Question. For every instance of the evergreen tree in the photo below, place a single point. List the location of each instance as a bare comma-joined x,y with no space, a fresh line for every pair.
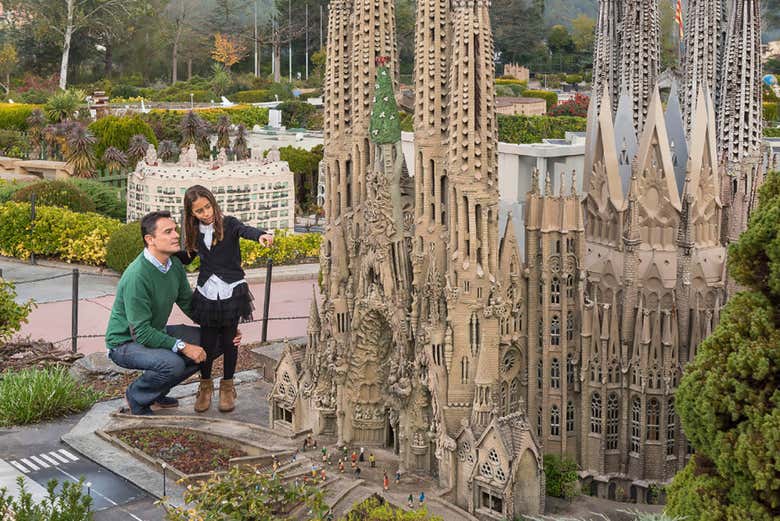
728,400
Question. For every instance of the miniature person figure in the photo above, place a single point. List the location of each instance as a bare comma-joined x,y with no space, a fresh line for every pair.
372,459
307,442
410,501
222,298
362,457
354,456
357,471
345,450
313,471
323,476
397,476
341,465
385,482
422,498
324,458
315,444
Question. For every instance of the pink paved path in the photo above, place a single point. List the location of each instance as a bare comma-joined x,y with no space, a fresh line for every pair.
52,321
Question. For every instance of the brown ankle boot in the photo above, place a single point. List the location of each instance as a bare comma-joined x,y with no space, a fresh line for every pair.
227,395
203,399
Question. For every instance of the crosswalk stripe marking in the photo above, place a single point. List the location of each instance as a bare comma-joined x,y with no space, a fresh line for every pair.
58,456
20,467
68,455
30,464
49,459
40,462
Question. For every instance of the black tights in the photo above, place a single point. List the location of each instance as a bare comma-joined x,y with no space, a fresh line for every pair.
219,341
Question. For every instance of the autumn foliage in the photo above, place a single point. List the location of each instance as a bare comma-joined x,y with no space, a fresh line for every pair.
228,50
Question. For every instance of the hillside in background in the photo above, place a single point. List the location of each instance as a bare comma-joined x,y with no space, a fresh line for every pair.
564,11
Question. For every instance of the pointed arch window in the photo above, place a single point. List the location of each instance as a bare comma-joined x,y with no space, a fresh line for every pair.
613,419
671,427
540,332
636,422
555,291
653,415
539,421
555,330
570,326
539,374
570,286
518,321
464,370
541,291
570,416
555,374
503,397
474,333
555,421
514,395
595,413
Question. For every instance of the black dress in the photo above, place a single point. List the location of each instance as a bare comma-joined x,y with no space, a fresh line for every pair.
224,261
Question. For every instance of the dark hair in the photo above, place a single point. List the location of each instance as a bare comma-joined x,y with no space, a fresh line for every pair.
149,223
192,194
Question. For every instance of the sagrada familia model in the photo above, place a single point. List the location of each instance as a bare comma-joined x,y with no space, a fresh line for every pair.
471,339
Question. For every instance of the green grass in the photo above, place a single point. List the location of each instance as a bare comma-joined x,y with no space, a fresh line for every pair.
35,395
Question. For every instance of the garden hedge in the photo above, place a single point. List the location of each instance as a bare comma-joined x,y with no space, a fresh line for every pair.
771,111
14,116
252,96
116,131
57,193
61,233
533,129
166,124
550,97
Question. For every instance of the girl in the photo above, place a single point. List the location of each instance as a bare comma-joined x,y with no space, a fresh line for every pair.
222,298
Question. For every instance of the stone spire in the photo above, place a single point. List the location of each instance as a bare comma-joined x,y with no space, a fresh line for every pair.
640,55
473,128
338,73
702,51
740,127
740,101
431,69
606,52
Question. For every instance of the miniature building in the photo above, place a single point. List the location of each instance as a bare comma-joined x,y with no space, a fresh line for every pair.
260,194
517,72
522,106
472,335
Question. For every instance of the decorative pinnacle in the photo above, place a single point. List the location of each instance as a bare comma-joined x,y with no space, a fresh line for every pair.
548,184
574,182
535,181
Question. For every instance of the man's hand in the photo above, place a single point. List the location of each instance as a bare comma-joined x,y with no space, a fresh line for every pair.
237,338
194,353
266,240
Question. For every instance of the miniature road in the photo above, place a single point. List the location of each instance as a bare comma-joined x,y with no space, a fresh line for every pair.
51,318
36,453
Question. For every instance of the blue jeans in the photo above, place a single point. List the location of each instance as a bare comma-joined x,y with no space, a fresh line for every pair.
162,368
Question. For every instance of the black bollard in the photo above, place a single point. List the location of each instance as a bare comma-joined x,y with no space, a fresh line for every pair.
267,301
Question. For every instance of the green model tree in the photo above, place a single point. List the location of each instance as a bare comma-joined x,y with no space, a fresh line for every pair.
729,397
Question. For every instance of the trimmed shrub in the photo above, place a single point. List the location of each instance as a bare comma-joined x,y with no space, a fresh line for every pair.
34,395
560,476
252,96
58,232
300,114
116,131
577,106
510,81
772,132
240,115
125,91
12,315
550,97
109,200
124,246
165,124
533,129
504,91
56,193
14,115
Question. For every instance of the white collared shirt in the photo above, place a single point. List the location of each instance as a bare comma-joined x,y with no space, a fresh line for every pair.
156,263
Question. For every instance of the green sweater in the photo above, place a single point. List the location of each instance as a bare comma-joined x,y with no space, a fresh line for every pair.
144,300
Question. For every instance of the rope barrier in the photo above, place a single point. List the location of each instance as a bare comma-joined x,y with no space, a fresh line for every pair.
30,281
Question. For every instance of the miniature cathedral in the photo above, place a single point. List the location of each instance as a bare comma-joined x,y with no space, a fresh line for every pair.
470,337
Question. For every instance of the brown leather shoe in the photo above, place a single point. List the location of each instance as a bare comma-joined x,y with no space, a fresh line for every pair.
227,395
203,399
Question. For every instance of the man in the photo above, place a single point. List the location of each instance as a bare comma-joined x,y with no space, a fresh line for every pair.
137,336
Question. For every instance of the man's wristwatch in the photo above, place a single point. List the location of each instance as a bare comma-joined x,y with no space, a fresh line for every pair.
178,346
